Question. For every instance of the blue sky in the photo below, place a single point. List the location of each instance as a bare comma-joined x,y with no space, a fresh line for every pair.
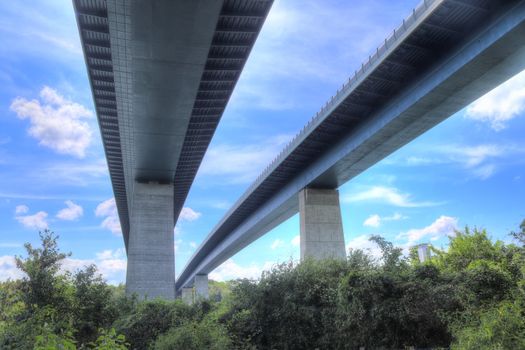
469,170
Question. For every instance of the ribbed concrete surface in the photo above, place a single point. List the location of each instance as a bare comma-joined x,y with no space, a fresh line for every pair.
321,224
151,254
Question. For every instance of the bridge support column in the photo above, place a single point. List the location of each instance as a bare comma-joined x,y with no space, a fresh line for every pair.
151,255
321,224
201,287
187,295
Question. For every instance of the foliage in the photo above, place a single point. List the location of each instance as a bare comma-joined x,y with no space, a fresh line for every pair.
195,336
497,328
519,235
470,296
93,308
109,340
51,341
42,285
150,319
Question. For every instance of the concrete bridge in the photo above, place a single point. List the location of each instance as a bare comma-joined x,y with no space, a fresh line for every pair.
444,56
162,71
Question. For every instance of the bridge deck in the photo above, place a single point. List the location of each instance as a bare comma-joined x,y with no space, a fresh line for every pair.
445,54
161,74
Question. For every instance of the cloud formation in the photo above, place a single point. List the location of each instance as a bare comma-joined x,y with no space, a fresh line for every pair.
188,214
21,209
71,212
56,122
481,160
363,243
375,220
8,269
386,195
241,163
500,105
36,221
442,227
229,270
277,244
108,210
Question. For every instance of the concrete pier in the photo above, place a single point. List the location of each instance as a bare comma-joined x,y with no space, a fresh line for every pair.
187,295
201,287
321,225
151,255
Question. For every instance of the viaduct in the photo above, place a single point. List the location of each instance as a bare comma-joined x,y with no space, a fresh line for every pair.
161,74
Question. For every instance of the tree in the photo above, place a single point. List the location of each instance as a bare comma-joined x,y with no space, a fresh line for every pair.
520,235
501,327
42,286
94,308
392,257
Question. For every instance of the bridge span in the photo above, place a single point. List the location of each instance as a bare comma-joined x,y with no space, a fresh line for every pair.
161,74
444,56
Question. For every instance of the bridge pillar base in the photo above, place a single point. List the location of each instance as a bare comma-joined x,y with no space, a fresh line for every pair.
201,287
187,295
151,255
321,224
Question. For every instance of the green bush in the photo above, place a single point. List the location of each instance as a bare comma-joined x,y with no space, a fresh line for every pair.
471,296
150,319
109,340
195,336
498,328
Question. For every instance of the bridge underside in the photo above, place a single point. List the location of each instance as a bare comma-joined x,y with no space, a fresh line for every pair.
444,57
161,73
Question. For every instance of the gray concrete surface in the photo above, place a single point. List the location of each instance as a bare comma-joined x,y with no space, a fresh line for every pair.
490,55
187,295
321,224
201,287
151,254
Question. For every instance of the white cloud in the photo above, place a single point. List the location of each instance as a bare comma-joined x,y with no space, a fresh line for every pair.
310,52
10,245
8,269
500,105
21,209
481,161
475,155
296,241
485,171
230,270
176,245
277,244
188,214
111,264
241,163
441,227
373,221
56,122
72,212
376,220
193,245
36,221
108,210
74,172
363,243
220,205
386,195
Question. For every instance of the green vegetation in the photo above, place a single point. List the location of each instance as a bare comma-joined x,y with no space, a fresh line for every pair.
471,296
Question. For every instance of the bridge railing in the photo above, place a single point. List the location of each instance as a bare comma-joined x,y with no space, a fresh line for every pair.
424,9
408,24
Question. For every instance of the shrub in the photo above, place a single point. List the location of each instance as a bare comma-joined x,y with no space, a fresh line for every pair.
195,336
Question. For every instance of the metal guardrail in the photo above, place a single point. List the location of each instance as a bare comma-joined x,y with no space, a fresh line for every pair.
410,23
